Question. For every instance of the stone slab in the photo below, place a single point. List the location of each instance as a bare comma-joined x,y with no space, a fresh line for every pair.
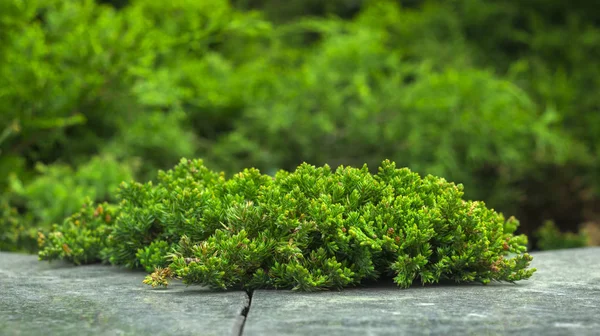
41,298
562,298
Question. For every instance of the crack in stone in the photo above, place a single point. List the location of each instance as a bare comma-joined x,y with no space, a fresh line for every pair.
245,312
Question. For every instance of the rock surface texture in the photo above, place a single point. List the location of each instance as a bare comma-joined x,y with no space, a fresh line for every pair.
37,298
562,298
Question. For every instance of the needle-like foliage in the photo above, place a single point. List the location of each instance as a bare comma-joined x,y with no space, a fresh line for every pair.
313,228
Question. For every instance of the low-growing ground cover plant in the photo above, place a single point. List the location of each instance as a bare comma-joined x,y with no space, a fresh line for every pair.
58,191
312,228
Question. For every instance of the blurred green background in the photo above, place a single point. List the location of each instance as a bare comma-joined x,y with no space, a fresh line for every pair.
501,96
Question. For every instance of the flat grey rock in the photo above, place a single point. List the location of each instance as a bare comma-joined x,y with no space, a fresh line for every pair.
561,298
38,298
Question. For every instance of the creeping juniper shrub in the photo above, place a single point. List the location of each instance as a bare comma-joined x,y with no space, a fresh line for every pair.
81,237
313,228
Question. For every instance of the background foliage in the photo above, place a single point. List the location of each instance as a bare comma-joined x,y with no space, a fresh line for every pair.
499,96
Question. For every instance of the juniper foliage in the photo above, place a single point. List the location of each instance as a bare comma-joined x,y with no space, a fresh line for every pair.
310,229
81,237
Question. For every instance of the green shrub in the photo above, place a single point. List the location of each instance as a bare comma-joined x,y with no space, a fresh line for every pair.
548,48
60,190
57,193
80,79
354,99
64,69
14,235
551,238
154,255
495,96
309,229
81,237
